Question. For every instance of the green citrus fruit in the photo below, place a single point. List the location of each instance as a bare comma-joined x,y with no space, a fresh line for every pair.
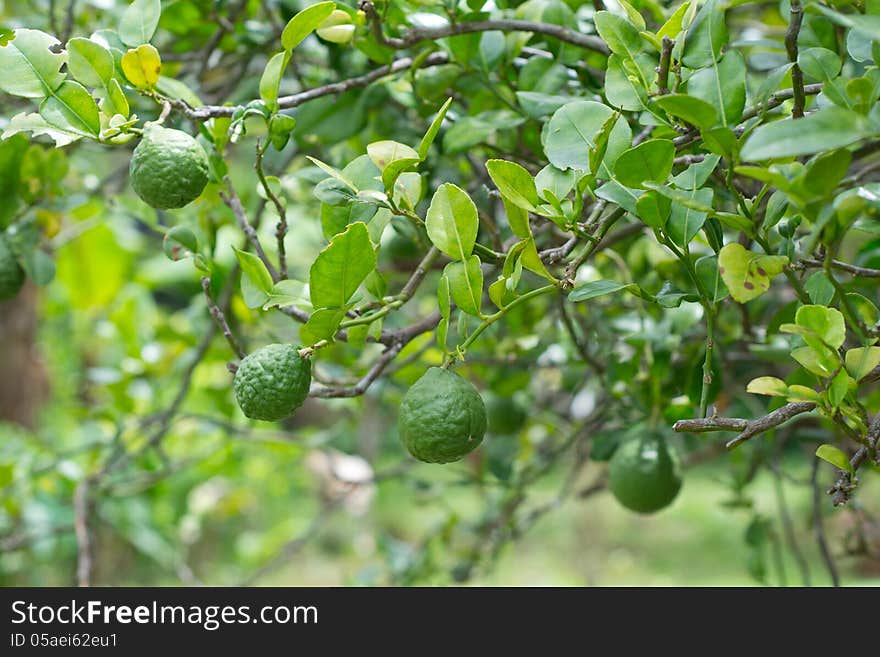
11,273
168,169
644,474
506,415
272,382
442,417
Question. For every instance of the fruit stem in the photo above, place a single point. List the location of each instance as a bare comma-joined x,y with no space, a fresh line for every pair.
306,352
491,319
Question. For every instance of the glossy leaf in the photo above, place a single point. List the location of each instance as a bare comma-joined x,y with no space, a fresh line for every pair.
340,268
139,22
452,221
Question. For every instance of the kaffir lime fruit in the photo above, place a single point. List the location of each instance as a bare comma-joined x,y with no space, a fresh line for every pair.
442,417
11,273
506,415
168,169
272,382
644,474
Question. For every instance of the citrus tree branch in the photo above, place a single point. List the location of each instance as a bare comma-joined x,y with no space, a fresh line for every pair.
747,428
796,17
417,35
232,200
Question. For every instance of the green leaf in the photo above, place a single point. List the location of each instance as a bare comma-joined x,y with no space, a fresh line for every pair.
826,323
280,128
89,62
139,22
689,108
821,363
180,243
452,221
684,221
747,274
514,182
819,63
30,68
864,309
861,360
336,28
622,37
827,129
840,386
571,133
594,289
287,293
723,86
37,125
651,160
653,208
819,288
767,385
798,393
710,278
619,195
518,218
304,23
270,80
466,284
383,153
256,282
706,36
72,108
340,268
532,261
433,129
322,325
835,457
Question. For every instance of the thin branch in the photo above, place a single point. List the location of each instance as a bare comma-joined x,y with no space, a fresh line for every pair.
417,35
779,97
206,112
364,383
747,428
842,489
281,229
220,319
819,527
796,17
862,272
82,511
663,69
232,200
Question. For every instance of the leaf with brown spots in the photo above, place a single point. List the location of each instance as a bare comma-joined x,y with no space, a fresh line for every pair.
747,274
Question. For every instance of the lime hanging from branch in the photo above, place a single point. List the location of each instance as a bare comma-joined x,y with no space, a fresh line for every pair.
271,383
644,474
169,169
442,417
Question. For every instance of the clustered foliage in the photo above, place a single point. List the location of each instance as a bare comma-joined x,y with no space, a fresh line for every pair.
625,222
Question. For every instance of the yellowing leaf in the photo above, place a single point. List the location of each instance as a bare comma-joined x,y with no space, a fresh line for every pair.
747,274
142,66
768,385
862,360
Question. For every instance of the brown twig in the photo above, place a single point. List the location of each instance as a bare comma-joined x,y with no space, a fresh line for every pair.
862,272
666,47
220,319
417,35
796,17
819,527
232,200
747,428
281,228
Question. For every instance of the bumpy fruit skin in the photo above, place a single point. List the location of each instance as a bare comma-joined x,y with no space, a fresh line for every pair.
442,417
169,169
272,382
644,474
11,273
506,416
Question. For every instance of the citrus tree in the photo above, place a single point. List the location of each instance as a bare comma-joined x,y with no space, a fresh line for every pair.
543,241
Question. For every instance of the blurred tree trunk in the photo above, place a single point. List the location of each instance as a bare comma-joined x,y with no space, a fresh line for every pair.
23,384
